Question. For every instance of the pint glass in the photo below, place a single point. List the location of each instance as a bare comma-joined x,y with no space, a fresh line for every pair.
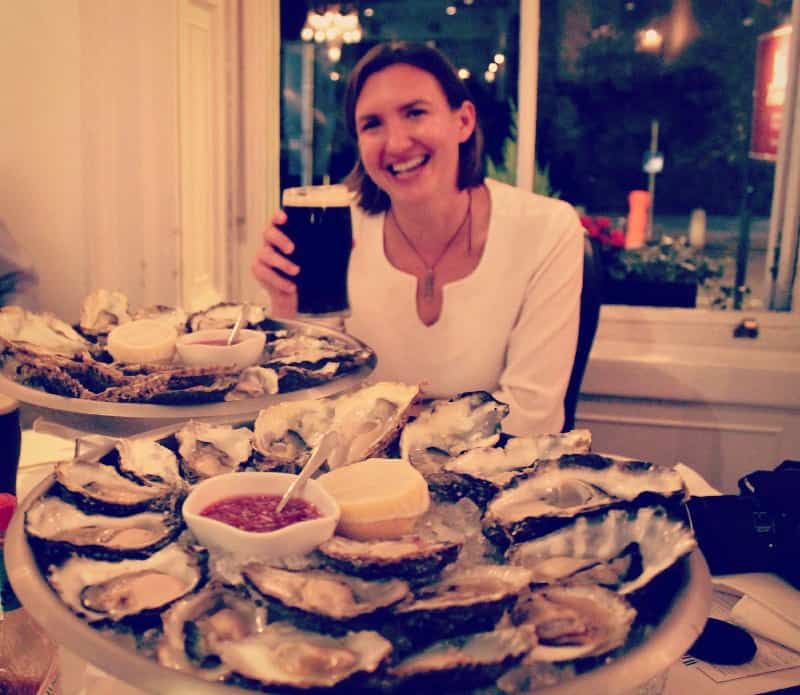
10,437
319,225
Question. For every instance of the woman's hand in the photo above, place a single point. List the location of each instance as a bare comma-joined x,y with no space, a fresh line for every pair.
269,260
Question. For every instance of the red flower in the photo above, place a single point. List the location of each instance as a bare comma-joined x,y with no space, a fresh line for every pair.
602,229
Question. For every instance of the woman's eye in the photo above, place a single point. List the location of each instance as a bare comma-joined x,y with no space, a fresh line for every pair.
415,113
368,125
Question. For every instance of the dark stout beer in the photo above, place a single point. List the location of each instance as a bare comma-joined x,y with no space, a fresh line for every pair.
319,225
10,437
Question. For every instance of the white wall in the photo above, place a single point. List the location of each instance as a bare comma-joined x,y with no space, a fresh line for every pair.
41,194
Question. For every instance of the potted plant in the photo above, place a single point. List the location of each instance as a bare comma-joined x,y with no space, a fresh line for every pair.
666,272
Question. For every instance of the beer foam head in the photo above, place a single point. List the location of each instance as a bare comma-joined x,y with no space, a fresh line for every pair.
317,196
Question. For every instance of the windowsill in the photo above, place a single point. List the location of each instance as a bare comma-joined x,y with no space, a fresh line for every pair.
691,355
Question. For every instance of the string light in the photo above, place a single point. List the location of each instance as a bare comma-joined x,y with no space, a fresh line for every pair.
451,10
463,73
499,58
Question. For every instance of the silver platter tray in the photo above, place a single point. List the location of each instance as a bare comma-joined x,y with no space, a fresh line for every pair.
649,660
124,419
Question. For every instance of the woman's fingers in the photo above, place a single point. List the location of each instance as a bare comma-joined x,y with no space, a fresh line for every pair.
275,237
264,270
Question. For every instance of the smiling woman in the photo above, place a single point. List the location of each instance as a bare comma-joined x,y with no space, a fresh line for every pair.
460,283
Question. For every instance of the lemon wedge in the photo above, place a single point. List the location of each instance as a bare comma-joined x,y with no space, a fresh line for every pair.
379,498
142,341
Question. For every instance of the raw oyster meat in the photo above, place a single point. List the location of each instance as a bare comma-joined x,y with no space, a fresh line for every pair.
224,315
99,488
573,622
147,462
463,601
101,591
621,550
467,662
284,657
411,557
454,426
480,473
102,310
62,528
254,382
196,626
42,334
207,450
552,493
322,600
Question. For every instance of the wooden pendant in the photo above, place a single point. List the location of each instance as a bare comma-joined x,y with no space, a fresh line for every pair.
427,285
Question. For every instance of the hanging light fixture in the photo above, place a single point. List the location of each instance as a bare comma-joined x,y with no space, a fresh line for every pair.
333,27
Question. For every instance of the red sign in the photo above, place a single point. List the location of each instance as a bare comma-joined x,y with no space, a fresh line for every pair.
772,77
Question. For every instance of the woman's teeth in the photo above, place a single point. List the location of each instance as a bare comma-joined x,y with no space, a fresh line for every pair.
410,165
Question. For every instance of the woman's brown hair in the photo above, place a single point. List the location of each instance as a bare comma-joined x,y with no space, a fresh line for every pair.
470,159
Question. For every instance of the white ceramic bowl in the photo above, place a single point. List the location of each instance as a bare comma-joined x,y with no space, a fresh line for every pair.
296,539
195,349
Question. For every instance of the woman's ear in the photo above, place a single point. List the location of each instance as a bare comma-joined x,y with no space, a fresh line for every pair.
467,119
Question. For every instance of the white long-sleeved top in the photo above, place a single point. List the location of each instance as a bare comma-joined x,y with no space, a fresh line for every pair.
510,327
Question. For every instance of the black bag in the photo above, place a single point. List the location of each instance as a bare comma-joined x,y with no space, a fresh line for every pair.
755,531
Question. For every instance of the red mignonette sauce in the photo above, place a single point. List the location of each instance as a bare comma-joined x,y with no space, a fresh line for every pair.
257,512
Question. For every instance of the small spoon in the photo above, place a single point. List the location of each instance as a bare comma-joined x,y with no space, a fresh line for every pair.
328,442
237,326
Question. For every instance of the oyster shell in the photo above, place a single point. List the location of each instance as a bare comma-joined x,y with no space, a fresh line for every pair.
208,450
61,528
621,550
40,333
573,622
366,421
147,462
196,626
480,473
286,432
454,426
254,382
466,663
102,591
284,657
175,317
102,310
224,315
464,601
552,493
322,600
97,488
411,557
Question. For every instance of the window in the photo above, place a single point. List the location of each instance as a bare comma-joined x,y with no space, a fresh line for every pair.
624,83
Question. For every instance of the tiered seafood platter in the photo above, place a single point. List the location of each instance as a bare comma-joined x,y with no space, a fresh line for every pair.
538,566
69,374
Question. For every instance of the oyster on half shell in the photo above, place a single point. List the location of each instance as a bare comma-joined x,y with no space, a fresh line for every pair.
287,658
366,421
552,493
102,591
147,462
322,600
411,557
102,310
40,333
207,450
573,622
224,315
195,627
454,426
98,488
466,662
61,528
621,550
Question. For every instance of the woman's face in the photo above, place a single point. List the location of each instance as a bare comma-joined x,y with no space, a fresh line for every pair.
408,135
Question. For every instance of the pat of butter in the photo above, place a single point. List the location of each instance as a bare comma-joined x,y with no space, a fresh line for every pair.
142,341
379,498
